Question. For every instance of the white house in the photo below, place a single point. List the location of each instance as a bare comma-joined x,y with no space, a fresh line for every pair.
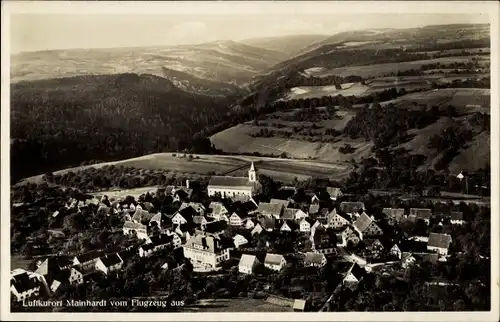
239,240
353,276
336,221
88,260
109,263
236,220
289,225
395,251
249,224
257,229
247,264
274,261
306,224
439,243
205,250
217,209
24,285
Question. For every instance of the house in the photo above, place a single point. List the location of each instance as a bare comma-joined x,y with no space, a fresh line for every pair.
185,231
351,235
239,241
205,250
317,225
284,203
336,221
306,224
249,224
71,276
334,193
237,219
270,210
274,261
407,259
247,264
352,208
140,230
457,218
315,260
198,207
24,285
109,263
201,220
323,243
288,214
217,209
225,186
163,240
373,248
141,216
420,214
289,225
439,243
182,194
395,251
394,215
268,224
299,305
184,215
88,260
257,229
146,250
53,264
313,209
353,276
126,254
215,228
366,226
162,221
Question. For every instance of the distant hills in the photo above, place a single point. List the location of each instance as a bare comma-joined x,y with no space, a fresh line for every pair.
290,45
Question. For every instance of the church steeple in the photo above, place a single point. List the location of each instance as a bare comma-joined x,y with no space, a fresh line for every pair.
252,174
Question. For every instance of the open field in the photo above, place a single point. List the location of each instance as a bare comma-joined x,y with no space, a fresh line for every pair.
235,305
378,70
122,193
280,169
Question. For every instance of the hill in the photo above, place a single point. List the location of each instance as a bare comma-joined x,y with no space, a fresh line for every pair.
290,45
60,122
223,61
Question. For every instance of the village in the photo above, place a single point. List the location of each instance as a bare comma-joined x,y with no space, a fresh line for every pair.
242,230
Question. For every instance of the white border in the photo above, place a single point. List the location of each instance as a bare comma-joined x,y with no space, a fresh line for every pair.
490,8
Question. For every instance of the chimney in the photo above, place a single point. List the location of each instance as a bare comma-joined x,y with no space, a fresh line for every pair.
187,183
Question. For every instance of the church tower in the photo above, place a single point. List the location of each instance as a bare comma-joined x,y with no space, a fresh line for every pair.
252,174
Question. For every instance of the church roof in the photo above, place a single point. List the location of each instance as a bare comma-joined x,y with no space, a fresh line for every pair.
219,181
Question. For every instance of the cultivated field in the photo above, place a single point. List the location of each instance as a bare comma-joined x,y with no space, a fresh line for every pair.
122,193
204,165
378,70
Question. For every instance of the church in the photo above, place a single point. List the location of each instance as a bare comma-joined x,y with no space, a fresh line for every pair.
228,187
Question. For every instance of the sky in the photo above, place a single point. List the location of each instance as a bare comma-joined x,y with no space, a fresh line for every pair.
48,31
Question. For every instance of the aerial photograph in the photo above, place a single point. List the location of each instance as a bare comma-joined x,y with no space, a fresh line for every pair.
250,162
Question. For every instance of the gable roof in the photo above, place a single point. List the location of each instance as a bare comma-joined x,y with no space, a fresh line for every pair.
188,213
309,220
351,207
314,209
406,255
161,239
334,192
125,254
223,181
111,259
289,213
439,240
142,215
421,213
314,258
216,226
274,259
273,209
134,225
183,192
285,203
23,282
247,260
370,242
53,264
208,243
86,257
162,219
456,215
357,271
148,246
395,213
217,208
291,224
268,223
363,222
431,258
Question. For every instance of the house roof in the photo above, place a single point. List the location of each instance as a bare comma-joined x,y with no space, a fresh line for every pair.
197,220
357,271
432,258
314,258
142,215
82,258
162,219
268,223
439,240
216,226
421,213
370,242
395,213
285,203
289,213
217,208
314,209
309,220
241,237
406,255
53,264
351,207
223,181
292,224
161,239
148,246
111,259
456,215
134,226
125,254
270,209
363,222
333,192
209,243
299,304
183,192
188,213
247,260
274,259
23,282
